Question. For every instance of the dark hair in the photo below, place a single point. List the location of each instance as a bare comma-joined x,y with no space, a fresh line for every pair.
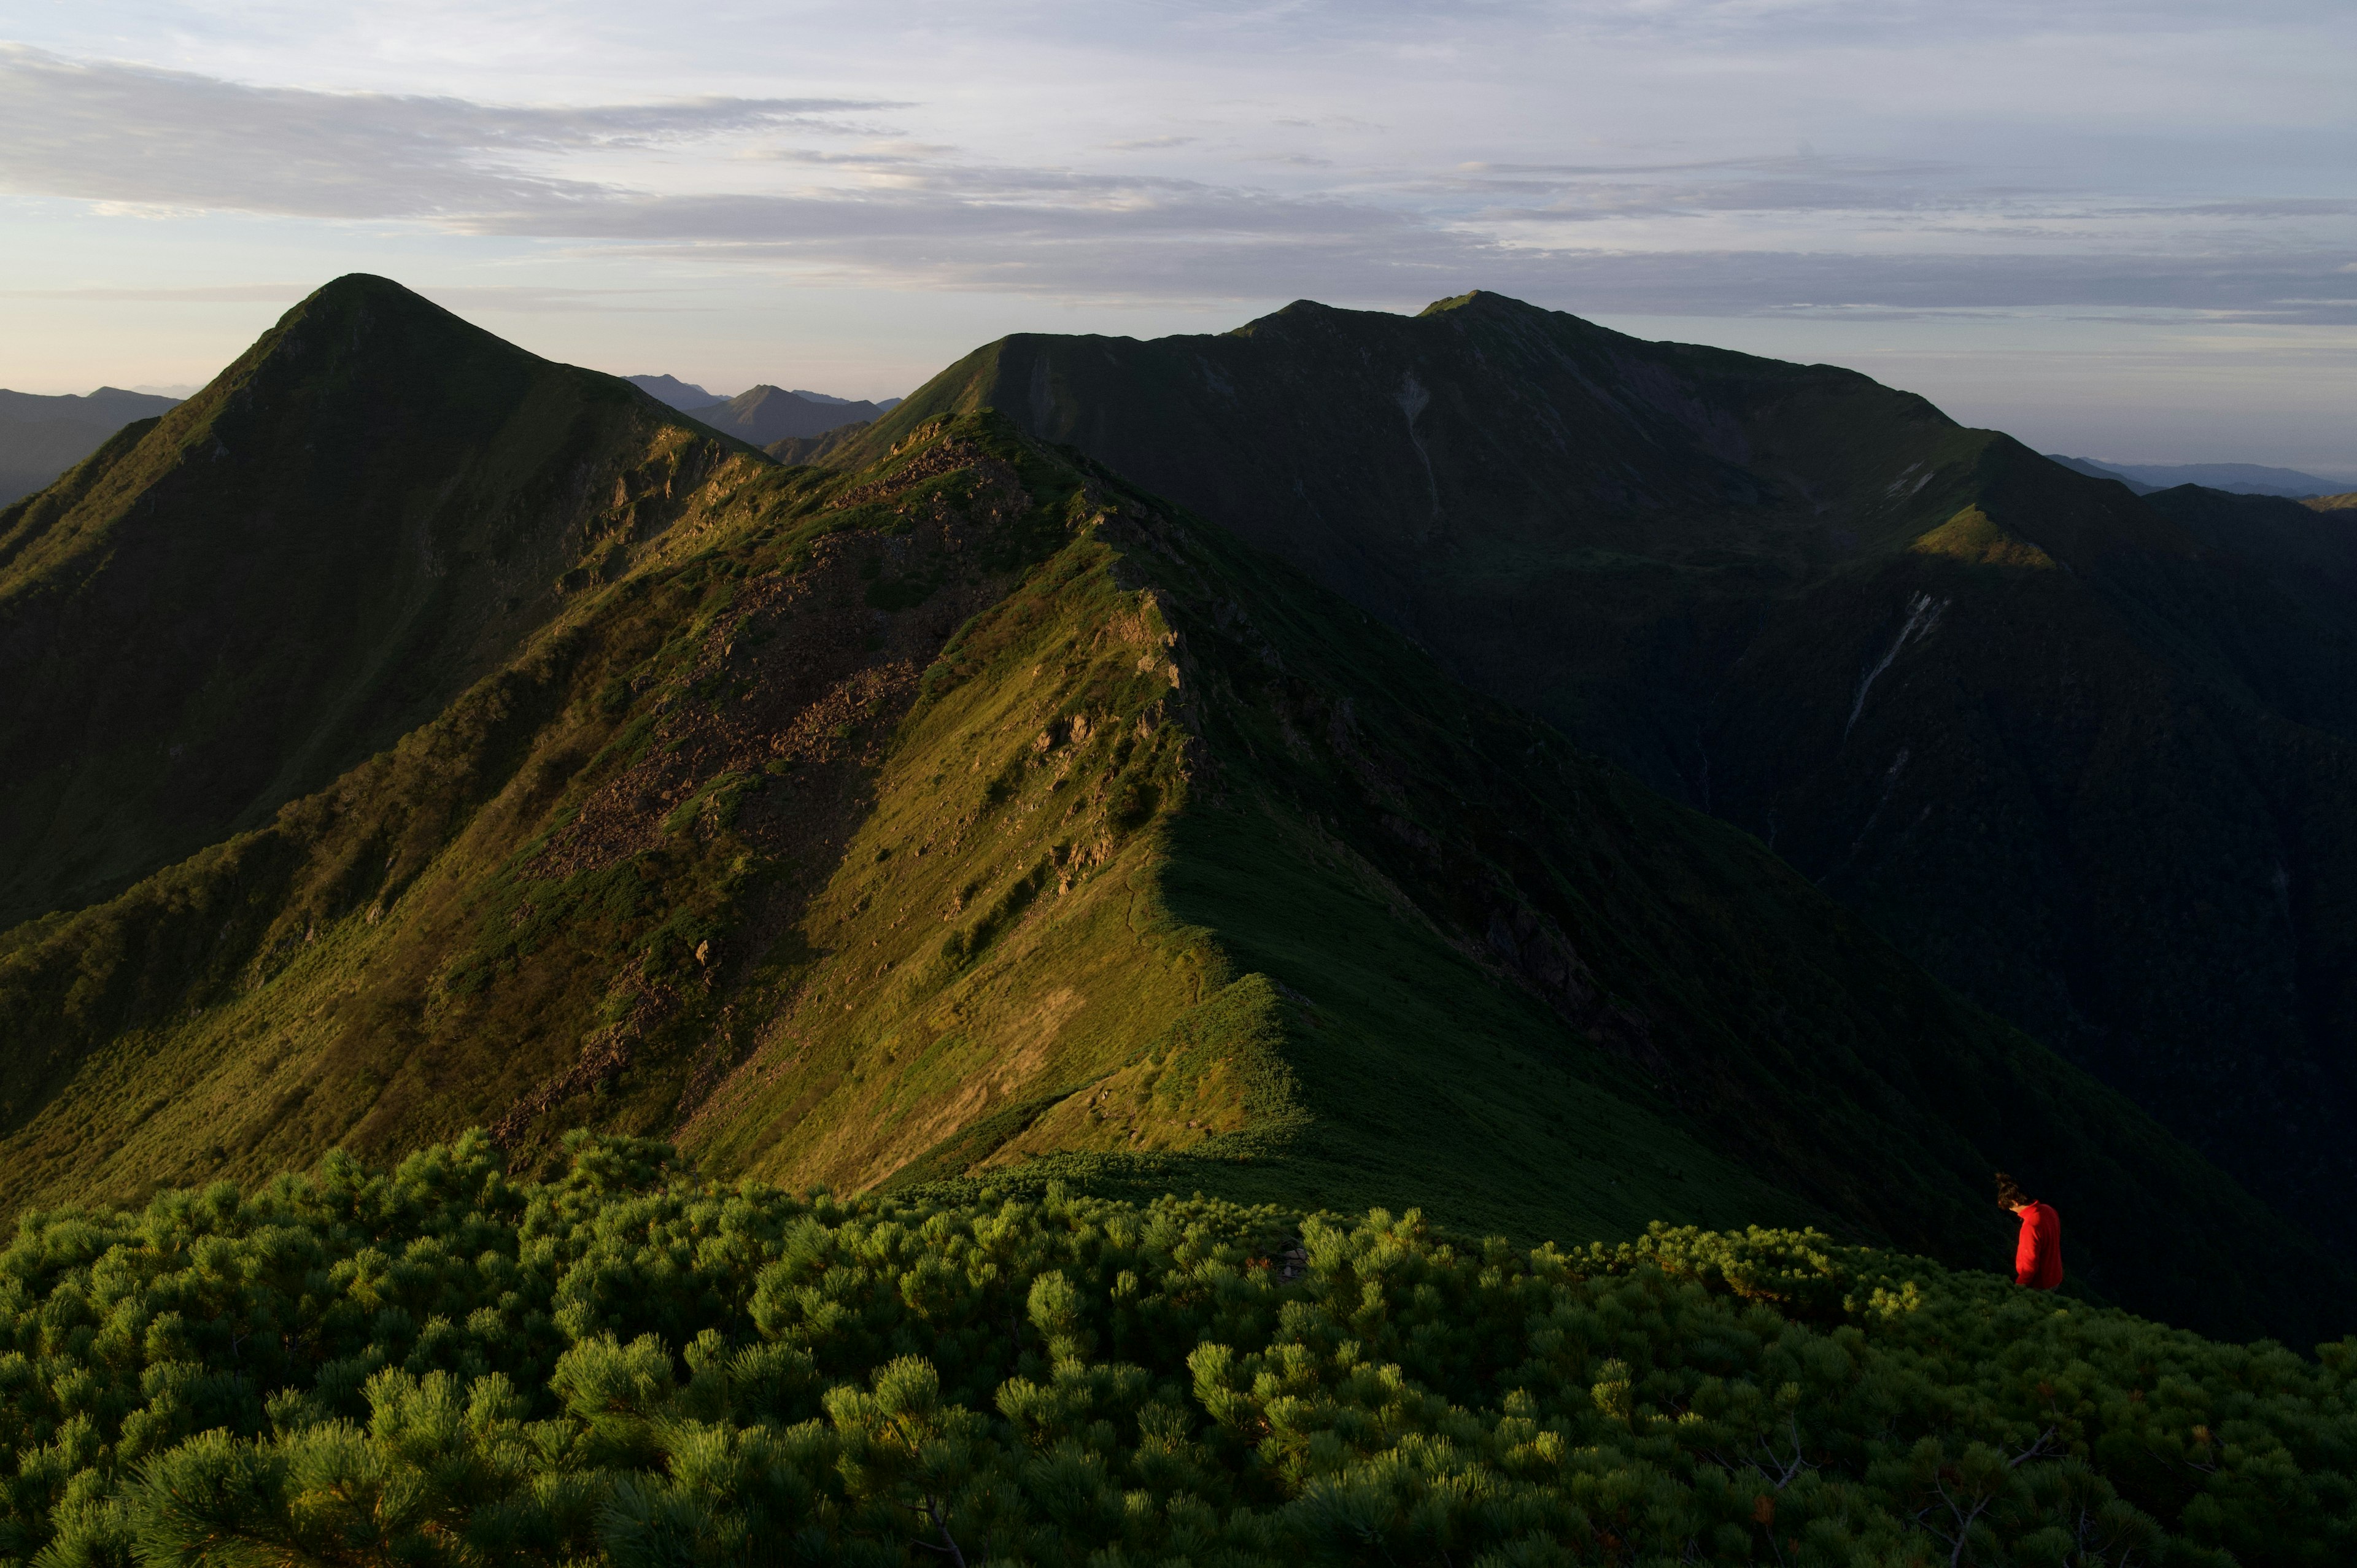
2009,1192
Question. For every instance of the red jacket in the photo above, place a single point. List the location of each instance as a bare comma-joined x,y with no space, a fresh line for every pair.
2037,1261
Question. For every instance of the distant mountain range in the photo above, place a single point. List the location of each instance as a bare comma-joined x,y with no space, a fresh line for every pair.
764,415
41,437
762,408
678,393
2235,478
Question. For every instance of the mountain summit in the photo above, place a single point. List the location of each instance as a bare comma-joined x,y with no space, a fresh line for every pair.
224,609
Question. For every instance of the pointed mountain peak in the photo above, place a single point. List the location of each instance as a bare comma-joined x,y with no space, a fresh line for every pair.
375,504
378,313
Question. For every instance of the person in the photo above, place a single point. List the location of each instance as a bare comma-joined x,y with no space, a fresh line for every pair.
2038,1258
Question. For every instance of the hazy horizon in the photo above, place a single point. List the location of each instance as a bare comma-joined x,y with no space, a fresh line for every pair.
2129,232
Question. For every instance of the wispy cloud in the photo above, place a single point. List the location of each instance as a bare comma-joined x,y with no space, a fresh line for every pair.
822,188
112,132
205,294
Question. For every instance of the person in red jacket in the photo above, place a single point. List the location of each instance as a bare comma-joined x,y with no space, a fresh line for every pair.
2038,1258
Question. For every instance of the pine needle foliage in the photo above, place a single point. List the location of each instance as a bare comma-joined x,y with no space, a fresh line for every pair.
440,1365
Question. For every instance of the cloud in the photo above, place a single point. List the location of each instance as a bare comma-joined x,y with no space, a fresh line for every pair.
2283,290
212,294
110,132
493,299
840,199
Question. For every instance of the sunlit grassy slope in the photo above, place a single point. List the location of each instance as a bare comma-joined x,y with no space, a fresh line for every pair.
970,815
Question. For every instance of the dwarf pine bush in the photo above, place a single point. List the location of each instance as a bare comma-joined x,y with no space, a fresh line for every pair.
438,1365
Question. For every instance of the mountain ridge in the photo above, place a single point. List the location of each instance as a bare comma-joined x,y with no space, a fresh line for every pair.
972,813
1955,683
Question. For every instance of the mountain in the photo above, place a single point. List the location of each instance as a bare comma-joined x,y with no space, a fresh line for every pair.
674,392
2236,478
41,437
809,396
796,449
2094,767
2231,477
2093,469
223,609
687,397
2346,501
765,414
968,814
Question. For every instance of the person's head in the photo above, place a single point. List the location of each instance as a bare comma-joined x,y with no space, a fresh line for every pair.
2009,1194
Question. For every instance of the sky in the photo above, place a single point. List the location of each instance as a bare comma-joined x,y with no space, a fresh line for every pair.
2123,228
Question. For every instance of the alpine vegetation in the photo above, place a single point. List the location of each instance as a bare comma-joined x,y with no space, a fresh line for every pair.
439,1365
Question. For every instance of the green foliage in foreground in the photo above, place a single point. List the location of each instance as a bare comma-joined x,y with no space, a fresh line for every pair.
442,1366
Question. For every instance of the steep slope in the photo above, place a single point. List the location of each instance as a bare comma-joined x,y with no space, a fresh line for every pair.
763,414
1969,693
41,437
970,813
223,609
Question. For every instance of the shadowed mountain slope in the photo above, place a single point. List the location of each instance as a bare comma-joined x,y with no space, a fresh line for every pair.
970,813
2088,762
224,610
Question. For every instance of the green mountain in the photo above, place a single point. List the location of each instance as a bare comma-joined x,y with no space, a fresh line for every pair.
223,609
970,815
41,437
2088,761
